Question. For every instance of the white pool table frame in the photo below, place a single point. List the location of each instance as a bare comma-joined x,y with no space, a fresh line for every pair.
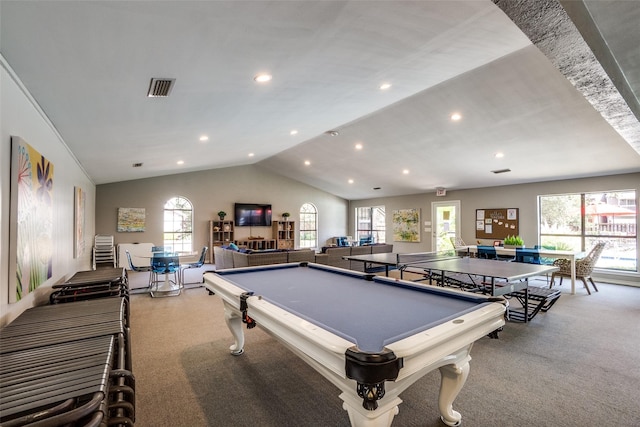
446,347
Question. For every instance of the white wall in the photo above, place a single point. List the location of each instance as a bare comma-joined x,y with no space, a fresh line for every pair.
21,116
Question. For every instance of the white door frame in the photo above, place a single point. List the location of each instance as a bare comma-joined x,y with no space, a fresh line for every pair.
434,220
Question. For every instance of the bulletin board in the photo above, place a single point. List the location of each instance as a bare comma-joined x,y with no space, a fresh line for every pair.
497,224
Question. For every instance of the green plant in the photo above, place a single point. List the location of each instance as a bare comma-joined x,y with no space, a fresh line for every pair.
514,241
222,214
286,215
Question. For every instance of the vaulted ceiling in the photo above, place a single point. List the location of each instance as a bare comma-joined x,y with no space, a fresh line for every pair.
511,71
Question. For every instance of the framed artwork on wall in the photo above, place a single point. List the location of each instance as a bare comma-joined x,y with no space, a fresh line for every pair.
131,220
31,221
406,225
79,199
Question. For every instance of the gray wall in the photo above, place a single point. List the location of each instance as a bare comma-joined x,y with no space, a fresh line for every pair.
212,191
523,196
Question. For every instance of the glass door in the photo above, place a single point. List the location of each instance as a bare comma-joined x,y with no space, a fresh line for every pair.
446,224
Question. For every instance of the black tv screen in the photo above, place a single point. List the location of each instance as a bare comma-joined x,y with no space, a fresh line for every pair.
252,215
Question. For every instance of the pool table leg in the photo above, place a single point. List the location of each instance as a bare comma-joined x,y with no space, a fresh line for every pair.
453,378
360,417
233,319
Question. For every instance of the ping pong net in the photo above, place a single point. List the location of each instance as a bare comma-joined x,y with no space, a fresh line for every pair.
418,264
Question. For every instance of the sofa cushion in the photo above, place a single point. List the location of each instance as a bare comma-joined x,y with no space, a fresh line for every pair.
359,250
380,248
335,257
267,258
218,257
302,255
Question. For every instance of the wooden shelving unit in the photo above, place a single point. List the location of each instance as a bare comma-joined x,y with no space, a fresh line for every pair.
257,244
284,234
220,233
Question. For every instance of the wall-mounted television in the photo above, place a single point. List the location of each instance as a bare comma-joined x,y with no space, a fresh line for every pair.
252,215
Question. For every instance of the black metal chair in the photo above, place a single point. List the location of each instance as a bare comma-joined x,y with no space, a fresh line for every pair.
196,264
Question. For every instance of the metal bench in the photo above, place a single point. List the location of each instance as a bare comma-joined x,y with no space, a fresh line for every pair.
68,364
540,299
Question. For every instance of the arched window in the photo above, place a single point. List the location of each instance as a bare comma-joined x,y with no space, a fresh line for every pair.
178,225
308,226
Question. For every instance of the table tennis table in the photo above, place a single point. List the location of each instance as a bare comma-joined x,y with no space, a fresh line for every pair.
488,276
396,260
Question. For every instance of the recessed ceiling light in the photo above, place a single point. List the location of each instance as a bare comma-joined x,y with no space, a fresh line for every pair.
405,171
332,133
350,181
456,116
180,162
307,162
263,78
385,86
358,146
293,132
251,154
204,138
499,155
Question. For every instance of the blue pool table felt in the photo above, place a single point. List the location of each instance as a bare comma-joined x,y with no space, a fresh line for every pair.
370,313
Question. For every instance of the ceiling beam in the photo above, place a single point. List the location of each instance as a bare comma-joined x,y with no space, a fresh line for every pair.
551,29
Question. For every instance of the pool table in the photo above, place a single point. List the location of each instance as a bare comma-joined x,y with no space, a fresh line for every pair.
371,336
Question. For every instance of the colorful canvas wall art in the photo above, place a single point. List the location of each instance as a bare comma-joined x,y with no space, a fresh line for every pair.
32,217
79,199
406,225
131,219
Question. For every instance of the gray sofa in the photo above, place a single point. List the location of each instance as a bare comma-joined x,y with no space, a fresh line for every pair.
227,258
334,256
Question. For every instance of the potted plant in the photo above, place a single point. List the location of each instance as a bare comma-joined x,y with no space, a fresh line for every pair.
286,216
221,215
513,242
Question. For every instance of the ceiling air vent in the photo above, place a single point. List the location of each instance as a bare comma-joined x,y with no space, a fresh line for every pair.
160,88
137,165
502,171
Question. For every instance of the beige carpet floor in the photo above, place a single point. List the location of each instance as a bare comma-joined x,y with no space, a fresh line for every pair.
576,365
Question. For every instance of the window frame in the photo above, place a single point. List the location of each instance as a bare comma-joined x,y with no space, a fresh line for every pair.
186,245
375,216
585,225
303,232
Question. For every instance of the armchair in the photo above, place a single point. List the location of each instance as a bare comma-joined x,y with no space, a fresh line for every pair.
459,246
584,267
342,241
366,240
